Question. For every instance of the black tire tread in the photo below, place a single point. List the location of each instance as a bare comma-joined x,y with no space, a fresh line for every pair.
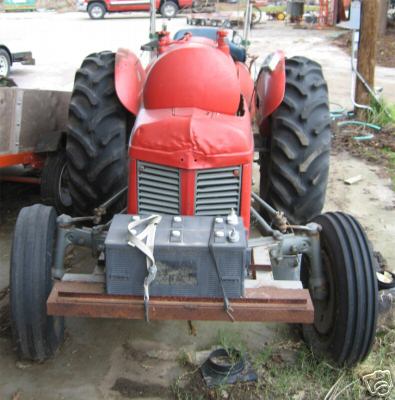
50,175
355,325
294,176
97,135
31,283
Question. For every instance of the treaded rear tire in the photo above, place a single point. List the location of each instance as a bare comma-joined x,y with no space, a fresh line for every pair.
294,173
96,136
37,336
345,322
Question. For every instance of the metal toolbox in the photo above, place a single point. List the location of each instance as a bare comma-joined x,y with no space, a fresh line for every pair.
185,251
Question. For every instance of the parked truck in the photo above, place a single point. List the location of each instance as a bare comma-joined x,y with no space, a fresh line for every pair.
97,9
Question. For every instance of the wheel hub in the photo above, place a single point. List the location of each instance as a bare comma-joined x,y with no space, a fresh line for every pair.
3,65
324,309
96,11
169,11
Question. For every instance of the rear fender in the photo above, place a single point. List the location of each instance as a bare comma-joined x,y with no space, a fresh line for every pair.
270,86
129,79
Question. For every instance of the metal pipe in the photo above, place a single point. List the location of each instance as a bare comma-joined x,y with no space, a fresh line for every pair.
265,205
152,19
266,227
247,22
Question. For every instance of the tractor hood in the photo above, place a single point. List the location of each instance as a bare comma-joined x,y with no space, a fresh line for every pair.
191,138
193,72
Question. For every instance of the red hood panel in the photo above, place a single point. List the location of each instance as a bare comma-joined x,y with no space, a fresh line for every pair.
191,138
194,74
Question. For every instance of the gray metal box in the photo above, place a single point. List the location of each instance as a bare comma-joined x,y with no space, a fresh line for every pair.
185,264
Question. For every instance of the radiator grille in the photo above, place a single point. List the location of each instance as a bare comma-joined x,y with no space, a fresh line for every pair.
158,189
217,191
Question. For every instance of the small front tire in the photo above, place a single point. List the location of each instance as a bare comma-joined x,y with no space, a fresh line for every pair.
37,335
345,321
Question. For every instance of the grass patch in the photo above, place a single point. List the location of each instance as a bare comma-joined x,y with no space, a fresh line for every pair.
383,113
288,370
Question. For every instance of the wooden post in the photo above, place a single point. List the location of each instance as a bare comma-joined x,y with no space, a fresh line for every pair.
367,52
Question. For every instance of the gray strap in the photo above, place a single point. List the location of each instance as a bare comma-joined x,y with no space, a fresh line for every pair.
147,248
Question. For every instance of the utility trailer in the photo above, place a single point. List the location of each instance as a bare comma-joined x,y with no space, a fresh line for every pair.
32,135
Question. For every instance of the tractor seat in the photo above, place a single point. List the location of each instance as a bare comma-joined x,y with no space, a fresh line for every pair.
238,53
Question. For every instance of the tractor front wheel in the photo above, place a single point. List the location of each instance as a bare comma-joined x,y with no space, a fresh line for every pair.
97,134
345,319
37,336
294,170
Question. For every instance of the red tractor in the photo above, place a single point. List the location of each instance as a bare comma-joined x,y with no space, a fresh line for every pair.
179,247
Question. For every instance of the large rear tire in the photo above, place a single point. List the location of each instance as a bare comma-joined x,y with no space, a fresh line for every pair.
97,134
294,171
37,336
345,321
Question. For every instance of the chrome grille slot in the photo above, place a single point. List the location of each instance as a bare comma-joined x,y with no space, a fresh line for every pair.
158,189
217,191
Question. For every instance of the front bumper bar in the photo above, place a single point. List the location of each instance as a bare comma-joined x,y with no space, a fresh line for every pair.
260,304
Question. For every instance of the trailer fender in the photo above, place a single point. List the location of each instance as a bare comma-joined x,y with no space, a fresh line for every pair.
270,86
129,79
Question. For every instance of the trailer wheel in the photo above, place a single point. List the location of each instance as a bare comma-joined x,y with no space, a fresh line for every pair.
169,9
96,147
5,63
96,10
294,171
54,183
37,336
345,321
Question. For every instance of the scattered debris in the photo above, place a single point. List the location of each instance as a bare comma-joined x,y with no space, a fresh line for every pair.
227,366
353,179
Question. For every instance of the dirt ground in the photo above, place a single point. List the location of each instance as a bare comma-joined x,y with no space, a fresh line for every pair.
111,359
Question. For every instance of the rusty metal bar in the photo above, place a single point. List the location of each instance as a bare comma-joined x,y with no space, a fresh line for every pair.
83,299
21,179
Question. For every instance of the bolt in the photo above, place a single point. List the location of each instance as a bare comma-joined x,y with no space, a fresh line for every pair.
176,234
177,218
219,220
219,234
